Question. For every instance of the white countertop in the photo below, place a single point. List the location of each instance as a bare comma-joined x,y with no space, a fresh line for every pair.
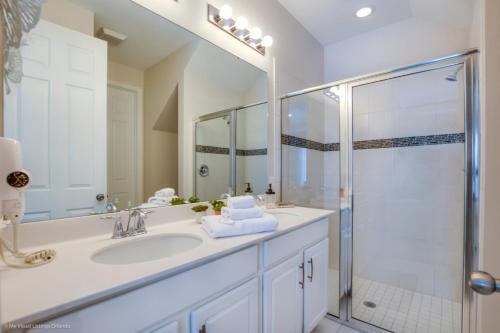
73,279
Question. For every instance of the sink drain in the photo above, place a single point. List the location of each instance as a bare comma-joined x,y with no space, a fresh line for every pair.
369,304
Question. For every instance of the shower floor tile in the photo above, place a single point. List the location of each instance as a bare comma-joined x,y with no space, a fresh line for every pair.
397,309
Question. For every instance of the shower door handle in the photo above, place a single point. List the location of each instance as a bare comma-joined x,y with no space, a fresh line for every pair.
483,283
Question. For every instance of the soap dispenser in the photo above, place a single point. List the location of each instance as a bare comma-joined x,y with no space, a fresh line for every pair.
270,197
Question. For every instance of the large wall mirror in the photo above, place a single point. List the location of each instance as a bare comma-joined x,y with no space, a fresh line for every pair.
117,103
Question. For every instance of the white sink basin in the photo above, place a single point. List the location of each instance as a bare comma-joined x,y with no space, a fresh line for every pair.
146,249
284,216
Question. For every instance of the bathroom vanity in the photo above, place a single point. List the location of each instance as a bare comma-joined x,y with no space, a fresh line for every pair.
268,282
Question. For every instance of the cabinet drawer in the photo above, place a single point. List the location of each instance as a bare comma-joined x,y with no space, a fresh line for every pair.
279,248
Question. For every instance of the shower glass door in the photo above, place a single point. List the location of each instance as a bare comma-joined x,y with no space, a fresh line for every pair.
310,173
408,172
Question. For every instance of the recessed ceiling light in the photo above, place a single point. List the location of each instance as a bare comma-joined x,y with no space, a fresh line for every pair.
364,12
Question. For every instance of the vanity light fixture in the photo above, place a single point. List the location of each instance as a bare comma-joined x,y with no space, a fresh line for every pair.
238,28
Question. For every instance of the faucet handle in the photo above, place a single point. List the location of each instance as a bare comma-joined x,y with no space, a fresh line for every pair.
118,228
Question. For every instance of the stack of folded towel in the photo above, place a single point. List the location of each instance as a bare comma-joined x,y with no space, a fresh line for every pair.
240,217
162,197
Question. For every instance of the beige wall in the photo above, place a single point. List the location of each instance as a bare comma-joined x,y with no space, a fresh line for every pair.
125,74
489,306
69,15
160,147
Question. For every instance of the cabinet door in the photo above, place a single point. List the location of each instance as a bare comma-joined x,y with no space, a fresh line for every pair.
316,284
283,297
233,312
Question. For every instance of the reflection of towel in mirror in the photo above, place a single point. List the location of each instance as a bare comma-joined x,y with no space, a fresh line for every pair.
165,192
214,226
240,202
161,201
241,214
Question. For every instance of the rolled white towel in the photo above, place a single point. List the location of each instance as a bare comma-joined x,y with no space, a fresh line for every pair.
241,214
165,192
158,201
243,201
215,228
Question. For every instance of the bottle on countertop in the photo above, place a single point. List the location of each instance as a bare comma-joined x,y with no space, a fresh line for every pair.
270,197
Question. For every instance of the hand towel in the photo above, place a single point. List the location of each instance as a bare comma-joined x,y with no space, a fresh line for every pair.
216,229
244,201
165,192
241,214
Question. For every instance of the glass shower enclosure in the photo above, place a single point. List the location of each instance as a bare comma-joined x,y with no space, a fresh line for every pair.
395,155
231,152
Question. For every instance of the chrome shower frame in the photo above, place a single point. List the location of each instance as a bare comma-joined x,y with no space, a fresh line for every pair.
232,113
469,60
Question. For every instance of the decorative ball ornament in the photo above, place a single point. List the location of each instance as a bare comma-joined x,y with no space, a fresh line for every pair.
17,17
18,179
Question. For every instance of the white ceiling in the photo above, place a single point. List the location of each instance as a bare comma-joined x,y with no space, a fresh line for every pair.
151,38
330,21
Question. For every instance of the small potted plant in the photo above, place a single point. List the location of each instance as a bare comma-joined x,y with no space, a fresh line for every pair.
177,201
217,206
193,199
200,210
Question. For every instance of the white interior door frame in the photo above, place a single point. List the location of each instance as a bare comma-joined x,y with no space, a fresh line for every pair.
139,142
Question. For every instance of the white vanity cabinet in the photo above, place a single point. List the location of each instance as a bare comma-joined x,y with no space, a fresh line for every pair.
295,291
275,286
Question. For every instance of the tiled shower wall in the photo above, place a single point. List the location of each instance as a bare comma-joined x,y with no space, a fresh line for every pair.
408,183
408,177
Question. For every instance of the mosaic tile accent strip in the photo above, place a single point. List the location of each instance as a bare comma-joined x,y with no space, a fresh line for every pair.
212,150
251,152
409,141
225,151
294,141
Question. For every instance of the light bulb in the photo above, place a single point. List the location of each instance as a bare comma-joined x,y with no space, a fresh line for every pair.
267,41
225,12
364,12
255,33
241,23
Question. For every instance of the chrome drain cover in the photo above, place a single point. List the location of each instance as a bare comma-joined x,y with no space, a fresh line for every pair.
369,304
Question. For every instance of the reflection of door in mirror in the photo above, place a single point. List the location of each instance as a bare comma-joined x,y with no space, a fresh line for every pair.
124,130
59,115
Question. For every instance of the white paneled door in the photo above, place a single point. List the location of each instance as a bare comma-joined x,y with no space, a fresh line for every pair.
123,128
58,113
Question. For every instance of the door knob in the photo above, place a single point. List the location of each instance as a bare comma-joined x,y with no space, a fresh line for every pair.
100,197
483,283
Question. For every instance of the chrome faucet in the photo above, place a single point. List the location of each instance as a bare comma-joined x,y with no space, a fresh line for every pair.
137,227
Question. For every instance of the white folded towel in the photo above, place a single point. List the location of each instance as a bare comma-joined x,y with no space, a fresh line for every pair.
165,192
215,228
163,201
243,201
241,214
